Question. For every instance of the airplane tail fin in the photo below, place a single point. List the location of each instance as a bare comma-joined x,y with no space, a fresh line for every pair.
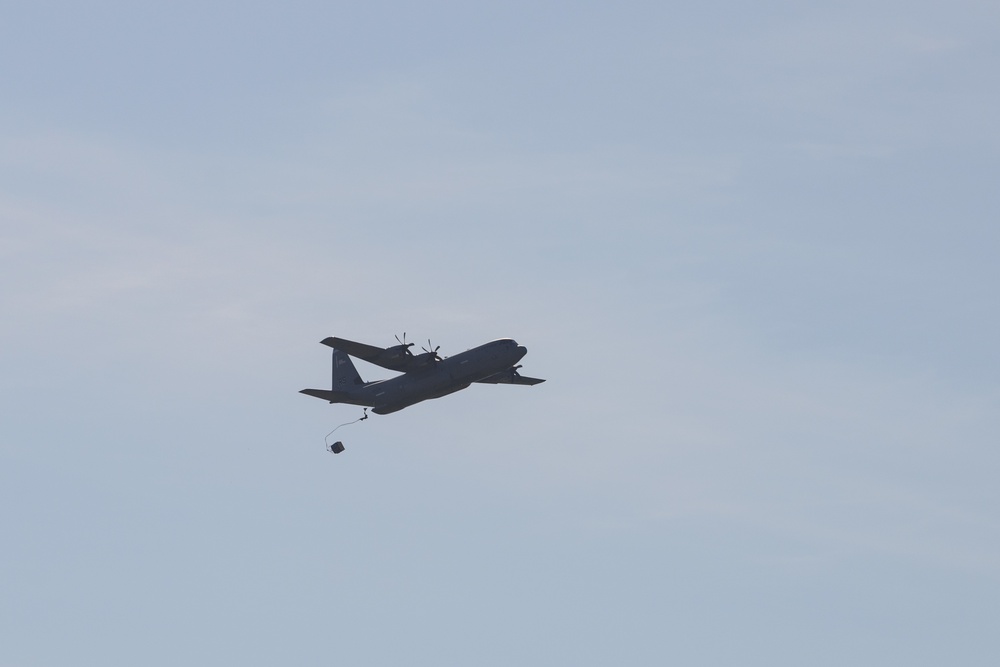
345,375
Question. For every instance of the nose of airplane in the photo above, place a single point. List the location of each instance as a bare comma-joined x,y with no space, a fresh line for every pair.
521,351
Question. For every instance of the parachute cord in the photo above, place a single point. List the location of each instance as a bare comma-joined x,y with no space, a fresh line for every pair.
359,419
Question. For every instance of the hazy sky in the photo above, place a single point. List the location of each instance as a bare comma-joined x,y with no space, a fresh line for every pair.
752,247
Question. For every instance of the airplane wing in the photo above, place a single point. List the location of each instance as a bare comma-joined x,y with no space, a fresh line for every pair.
359,350
395,358
509,376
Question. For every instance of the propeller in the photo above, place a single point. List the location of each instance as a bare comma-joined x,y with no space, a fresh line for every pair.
406,346
430,351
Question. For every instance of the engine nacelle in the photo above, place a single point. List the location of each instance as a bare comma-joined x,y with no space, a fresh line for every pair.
425,360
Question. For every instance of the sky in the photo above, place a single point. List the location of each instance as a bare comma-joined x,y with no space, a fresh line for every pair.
751,247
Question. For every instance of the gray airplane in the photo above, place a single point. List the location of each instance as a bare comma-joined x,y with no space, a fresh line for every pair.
424,375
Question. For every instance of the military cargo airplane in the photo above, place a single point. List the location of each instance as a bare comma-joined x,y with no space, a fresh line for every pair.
424,375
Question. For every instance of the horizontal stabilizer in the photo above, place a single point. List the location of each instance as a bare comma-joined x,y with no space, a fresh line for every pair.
327,395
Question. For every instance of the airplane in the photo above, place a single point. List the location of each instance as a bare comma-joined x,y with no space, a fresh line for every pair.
424,376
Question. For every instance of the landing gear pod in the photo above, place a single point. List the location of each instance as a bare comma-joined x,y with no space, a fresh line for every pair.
337,447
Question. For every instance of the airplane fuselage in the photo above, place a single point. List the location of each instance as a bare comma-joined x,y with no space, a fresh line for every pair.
439,379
